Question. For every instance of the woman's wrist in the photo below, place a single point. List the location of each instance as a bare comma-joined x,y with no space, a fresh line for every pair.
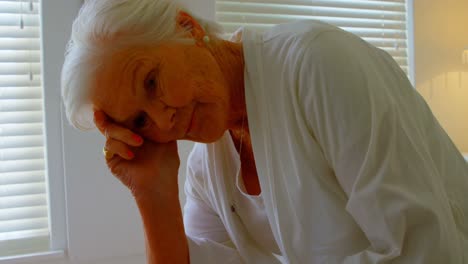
164,187
167,195
164,228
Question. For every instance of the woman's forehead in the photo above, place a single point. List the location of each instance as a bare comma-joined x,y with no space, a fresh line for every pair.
122,64
113,88
118,104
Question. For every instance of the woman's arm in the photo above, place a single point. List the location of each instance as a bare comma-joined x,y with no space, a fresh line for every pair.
164,229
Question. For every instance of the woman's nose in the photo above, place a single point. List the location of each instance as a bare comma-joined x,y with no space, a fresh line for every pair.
165,120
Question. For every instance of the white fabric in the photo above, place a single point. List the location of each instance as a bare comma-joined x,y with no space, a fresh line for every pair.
251,210
208,213
352,164
383,23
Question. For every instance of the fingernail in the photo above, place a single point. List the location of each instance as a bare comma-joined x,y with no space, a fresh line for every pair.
137,139
130,154
97,118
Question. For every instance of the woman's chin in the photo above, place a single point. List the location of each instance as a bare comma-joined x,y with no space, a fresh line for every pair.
206,137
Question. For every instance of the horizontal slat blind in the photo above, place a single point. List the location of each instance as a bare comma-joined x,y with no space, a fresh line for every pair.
24,223
379,22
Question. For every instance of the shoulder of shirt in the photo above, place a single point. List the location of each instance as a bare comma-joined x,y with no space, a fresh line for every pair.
310,43
298,29
301,41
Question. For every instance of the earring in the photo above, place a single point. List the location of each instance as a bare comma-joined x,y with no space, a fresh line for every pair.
206,39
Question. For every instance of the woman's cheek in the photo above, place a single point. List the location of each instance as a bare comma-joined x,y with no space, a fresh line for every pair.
179,92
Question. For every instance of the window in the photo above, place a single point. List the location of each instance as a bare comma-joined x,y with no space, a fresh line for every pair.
380,22
24,222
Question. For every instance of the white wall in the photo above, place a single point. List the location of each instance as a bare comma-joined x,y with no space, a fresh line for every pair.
440,34
102,221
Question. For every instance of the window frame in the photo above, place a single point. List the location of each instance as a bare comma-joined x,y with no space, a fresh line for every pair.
52,51
51,42
410,28
32,241
70,210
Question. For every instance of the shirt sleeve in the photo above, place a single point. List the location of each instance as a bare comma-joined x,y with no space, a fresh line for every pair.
208,240
352,97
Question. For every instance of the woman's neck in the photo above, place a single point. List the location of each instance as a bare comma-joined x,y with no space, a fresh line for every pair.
248,166
230,58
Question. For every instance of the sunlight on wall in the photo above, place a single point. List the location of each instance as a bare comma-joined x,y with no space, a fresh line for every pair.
440,37
447,95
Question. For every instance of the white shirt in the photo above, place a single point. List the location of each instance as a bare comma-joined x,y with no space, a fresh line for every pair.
352,164
250,209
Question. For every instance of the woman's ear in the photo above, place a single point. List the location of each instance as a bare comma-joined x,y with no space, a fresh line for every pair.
187,23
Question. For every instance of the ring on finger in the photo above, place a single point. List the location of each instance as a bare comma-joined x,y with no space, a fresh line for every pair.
107,154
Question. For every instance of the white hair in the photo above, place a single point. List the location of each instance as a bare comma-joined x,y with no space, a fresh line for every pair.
105,26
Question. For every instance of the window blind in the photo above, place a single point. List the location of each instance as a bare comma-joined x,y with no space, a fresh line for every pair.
382,23
24,225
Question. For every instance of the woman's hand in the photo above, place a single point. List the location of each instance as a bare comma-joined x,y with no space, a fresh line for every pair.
145,167
149,170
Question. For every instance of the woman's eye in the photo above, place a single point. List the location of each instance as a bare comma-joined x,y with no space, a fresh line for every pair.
140,121
150,82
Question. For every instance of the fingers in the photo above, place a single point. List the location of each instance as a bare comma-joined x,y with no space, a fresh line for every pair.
113,131
115,147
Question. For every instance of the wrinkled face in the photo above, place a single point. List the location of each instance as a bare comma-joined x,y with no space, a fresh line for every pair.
164,93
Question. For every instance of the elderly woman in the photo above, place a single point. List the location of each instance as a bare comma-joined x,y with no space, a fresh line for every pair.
312,145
